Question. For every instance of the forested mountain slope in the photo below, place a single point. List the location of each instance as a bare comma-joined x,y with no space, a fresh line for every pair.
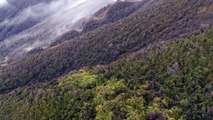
158,20
165,81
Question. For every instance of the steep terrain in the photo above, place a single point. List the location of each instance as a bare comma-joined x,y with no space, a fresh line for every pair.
164,82
158,20
141,60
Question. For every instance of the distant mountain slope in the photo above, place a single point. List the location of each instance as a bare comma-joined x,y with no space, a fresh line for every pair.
172,81
113,13
106,15
158,20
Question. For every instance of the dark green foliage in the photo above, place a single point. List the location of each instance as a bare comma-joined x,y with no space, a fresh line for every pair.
174,83
182,75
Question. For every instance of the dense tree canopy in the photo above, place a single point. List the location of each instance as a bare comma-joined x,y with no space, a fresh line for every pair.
173,83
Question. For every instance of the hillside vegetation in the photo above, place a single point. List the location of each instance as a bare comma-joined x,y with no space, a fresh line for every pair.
156,21
173,82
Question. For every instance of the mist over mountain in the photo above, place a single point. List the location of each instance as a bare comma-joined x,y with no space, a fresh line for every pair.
40,23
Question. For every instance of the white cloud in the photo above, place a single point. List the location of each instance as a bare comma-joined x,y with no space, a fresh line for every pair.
3,3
